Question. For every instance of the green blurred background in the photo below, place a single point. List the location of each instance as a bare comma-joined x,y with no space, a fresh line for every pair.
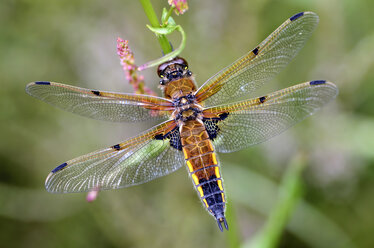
74,42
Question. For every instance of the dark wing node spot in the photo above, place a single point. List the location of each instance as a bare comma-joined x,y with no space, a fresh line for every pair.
159,137
174,138
116,147
297,16
60,167
223,116
211,125
43,83
317,82
96,92
255,51
262,99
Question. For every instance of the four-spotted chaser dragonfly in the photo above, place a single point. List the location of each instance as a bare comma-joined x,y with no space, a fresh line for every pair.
199,121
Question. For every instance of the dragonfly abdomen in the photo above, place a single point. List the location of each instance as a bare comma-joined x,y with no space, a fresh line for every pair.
203,168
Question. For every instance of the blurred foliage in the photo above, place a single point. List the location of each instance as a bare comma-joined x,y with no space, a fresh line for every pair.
74,42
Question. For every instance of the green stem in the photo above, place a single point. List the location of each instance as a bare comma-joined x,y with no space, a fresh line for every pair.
149,11
167,56
168,15
289,196
233,235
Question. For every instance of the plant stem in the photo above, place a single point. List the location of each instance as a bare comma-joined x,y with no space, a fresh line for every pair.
149,11
168,15
233,235
289,196
167,56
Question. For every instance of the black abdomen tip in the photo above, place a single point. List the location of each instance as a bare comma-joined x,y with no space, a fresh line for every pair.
60,167
297,16
317,82
43,83
220,221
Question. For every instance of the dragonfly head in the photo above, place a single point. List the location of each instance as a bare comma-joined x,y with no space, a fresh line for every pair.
172,70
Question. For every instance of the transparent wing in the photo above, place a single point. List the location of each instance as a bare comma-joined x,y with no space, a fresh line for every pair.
135,161
261,64
254,121
101,105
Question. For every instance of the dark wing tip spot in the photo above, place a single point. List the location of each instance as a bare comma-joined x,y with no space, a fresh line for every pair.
96,92
262,99
255,51
43,83
60,167
317,82
297,16
116,147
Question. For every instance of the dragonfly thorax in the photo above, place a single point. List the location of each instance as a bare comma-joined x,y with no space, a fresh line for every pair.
186,108
186,114
184,100
178,91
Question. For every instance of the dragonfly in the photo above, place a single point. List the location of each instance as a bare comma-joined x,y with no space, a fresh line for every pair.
197,122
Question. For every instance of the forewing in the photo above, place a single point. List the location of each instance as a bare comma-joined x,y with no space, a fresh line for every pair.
135,161
101,105
254,121
261,64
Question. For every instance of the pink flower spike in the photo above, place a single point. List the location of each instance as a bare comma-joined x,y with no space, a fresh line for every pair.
92,195
124,52
181,6
130,68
